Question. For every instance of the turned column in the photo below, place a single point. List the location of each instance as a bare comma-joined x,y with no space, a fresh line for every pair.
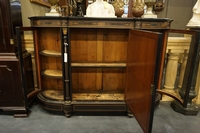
171,73
197,99
182,68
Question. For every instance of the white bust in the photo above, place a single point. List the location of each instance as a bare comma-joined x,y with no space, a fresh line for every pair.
100,8
195,20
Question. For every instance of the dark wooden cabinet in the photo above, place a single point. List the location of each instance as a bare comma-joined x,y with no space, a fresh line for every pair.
105,64
11,84
99,64
16,73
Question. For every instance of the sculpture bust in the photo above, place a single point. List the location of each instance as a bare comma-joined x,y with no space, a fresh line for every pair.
195,20
100,8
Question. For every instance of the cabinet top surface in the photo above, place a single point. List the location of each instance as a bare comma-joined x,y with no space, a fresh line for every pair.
100,18
91,22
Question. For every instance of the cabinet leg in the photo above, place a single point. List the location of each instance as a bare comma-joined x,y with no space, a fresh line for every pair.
67,114
67,107
24,113
129,113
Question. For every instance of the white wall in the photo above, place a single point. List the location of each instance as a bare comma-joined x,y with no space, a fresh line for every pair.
180,11
31,9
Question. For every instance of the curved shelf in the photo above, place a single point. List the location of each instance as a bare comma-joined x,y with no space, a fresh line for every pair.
53,94
52,73
123,65
51,53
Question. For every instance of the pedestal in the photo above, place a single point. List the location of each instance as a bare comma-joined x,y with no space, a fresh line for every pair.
187,90
191,109
171,72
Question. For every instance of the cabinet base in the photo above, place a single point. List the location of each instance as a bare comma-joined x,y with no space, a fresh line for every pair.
89,107
18,112
100,107
92,107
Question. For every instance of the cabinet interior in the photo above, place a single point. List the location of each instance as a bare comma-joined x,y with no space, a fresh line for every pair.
98,60
98,63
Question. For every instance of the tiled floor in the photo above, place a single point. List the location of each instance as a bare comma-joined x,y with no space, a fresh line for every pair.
40,121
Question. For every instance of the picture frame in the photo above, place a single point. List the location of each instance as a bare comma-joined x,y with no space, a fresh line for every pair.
41,2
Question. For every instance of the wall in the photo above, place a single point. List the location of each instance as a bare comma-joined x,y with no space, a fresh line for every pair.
31,9
180,11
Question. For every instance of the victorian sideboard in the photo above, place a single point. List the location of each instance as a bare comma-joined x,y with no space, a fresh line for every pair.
99,64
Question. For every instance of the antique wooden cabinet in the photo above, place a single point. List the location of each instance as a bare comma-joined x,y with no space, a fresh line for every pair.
99,64
16,75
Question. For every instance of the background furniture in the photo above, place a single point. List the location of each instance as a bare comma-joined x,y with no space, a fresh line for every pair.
187,91
16,75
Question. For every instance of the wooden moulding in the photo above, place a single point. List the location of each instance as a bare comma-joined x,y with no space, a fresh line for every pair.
101,24
110,23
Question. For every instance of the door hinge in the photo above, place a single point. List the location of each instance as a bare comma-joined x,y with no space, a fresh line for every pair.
152,89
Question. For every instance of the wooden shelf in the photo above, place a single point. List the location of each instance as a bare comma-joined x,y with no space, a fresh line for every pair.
98,96
98,65
50,53
52,73
58,95
53,94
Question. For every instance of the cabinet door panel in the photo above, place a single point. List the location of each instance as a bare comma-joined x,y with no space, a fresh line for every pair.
143,52
10,84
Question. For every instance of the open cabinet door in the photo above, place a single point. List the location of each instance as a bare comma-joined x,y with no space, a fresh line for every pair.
142,73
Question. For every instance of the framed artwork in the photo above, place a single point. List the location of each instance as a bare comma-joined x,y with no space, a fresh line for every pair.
41,2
